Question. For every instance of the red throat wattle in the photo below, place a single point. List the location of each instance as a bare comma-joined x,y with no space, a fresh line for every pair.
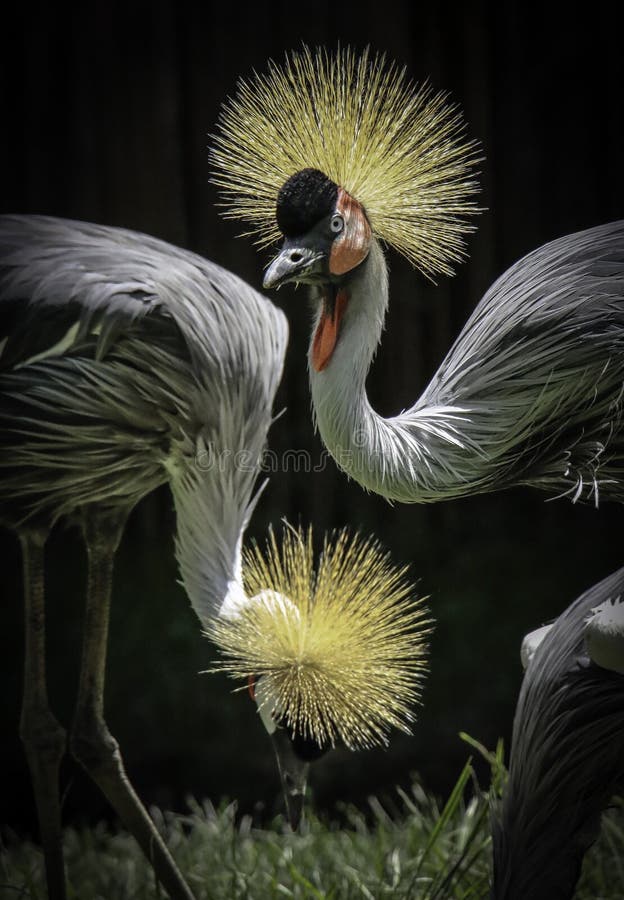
328,331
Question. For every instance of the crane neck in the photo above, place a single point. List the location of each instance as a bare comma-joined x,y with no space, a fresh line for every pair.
215,459
213,484
339,397
388,456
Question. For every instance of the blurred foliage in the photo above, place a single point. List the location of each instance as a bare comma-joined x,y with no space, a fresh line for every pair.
408,848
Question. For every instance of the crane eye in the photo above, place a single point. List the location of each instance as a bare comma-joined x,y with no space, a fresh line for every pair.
337,224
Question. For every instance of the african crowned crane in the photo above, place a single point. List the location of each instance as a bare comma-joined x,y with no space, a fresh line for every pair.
567,752
337,153
126,363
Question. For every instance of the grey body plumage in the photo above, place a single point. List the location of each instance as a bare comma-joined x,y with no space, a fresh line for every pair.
567,753
539,368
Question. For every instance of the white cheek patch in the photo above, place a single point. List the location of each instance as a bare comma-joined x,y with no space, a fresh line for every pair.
267,706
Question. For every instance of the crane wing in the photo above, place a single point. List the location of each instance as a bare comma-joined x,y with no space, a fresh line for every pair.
536,376
567,292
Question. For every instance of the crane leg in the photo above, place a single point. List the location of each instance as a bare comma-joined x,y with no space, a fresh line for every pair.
91,742
43,738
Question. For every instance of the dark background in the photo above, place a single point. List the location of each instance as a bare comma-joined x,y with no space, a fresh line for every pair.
106,117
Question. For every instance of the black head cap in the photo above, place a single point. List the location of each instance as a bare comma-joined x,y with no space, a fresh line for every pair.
306,198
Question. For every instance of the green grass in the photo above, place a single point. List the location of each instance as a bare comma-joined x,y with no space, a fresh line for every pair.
411,848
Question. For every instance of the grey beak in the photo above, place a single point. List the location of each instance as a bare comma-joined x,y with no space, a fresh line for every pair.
293,774
293,263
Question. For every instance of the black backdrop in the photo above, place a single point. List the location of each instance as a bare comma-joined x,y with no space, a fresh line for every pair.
106,115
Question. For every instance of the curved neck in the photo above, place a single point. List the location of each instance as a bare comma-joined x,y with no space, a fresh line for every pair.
410,457
212,482
341,406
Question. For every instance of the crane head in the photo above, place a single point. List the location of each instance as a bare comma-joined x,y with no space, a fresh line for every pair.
336,651
391,147
326,229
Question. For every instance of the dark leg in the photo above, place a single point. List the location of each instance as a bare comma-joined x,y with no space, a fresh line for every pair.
42,736
91,741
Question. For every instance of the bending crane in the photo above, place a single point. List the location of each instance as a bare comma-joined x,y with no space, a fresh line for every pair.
126,363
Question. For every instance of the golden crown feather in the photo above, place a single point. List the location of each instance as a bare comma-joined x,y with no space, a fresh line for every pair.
399,149
341,647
